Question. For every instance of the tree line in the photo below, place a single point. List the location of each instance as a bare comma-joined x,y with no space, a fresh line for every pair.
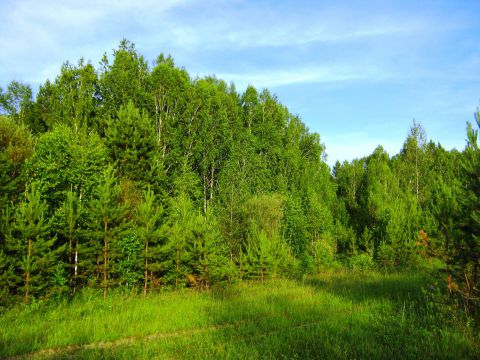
137,176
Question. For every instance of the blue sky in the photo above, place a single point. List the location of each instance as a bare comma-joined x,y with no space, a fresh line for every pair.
357,72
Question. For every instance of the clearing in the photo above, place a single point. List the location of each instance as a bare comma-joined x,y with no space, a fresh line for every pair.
371,316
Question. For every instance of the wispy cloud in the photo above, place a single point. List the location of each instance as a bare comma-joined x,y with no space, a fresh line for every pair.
313,74
35,35
372,60
255,26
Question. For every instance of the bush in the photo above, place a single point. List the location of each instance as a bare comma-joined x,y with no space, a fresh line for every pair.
321,254
266,256
361,262
386,257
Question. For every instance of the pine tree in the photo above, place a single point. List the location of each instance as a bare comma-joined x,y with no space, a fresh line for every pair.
468,246
149,229
266,255
28,239
209,255
71,211
109,215
179,227
131,139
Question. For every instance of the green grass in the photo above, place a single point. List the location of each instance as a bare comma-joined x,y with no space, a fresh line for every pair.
332,316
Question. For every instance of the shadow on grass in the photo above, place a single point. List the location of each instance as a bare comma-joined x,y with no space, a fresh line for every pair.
396,288
334,317
339,318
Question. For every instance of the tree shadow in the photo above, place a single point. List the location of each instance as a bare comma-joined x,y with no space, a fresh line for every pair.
396,288
331,321
339,317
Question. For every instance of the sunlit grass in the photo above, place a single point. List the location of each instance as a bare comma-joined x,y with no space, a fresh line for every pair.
328,316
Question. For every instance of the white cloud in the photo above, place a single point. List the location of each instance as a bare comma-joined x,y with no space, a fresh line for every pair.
37,35
328,73
266,45
250,27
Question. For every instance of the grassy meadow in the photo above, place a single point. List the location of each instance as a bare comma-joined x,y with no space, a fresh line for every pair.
331,316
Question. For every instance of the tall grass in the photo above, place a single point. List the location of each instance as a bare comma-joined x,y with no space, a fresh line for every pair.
333,316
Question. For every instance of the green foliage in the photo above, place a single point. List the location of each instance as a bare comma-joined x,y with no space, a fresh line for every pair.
66,160
125,80
8,277
72,100
109,216
386,257
195,252
17,102
152,178
60,281
266,255
402,228
69,216
361,262
130,137
265,252
466,257
321,254
296,226
414,162
30,246
264,213
128,259
148,219
16,145
209,258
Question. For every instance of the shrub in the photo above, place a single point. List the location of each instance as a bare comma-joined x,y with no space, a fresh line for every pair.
361,262
321,254
386,257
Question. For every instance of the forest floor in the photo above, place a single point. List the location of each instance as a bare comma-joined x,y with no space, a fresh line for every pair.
331,316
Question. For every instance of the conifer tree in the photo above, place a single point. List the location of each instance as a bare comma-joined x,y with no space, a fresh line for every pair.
179,228
266,255
109,213
28,239
131,139
209,262
71,211
468,246
148,217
